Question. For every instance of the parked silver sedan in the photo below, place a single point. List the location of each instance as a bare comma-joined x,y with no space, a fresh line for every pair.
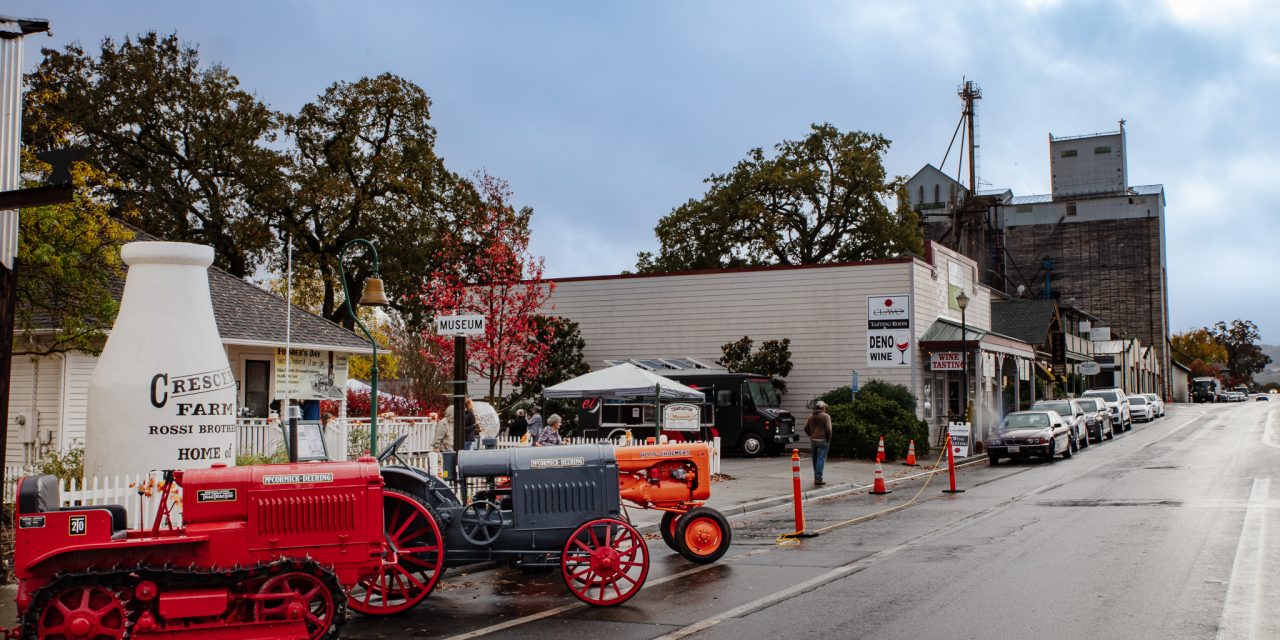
1097,419
1030,433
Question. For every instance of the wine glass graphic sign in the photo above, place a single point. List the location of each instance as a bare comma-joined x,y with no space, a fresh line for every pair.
902,349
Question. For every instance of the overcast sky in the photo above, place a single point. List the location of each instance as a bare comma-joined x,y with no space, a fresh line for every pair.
604,116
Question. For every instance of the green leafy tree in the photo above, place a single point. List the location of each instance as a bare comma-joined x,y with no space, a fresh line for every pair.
69,257
186,146
824,198
364,166
1244,355
773,359
880,409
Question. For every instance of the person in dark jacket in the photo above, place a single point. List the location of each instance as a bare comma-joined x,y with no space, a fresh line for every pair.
470,429
519,426
818,428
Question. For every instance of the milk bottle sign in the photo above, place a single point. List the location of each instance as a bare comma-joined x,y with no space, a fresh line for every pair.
162,395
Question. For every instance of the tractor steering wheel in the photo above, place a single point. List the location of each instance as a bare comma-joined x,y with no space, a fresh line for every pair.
393,451
481,522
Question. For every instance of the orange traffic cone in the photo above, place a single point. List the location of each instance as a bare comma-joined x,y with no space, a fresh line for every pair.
878,488
911,454
880,450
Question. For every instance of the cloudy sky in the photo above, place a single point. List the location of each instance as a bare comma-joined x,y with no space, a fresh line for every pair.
605,116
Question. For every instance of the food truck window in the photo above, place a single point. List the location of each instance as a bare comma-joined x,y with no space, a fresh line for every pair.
763,393
724,398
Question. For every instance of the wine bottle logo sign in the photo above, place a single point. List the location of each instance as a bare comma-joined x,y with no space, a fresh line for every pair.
163,395
889,340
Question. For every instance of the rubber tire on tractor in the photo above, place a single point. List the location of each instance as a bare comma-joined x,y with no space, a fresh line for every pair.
752,445
421,554
668,528
704,535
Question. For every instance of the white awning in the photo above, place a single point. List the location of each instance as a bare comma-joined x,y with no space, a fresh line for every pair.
622,381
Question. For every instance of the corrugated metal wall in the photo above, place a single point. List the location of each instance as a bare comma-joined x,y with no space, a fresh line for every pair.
10,140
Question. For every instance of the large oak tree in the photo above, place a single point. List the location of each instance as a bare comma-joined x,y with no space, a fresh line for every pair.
823,198
186,145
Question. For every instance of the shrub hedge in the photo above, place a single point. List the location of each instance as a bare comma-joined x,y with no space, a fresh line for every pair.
881,409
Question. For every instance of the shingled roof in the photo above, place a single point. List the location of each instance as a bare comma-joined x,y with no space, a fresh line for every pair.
1026,320
249,315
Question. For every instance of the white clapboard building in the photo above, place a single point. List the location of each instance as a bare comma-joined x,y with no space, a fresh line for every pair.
895,320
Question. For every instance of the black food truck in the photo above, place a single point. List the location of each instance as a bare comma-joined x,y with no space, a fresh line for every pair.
742,409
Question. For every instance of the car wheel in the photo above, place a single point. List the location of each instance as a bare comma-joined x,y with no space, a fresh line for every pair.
993,459
1066,454
752,445
1053,451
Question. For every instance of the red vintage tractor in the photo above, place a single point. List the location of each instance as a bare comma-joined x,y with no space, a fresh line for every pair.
263,552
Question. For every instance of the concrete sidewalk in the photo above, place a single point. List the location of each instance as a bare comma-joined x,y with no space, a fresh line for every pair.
753,484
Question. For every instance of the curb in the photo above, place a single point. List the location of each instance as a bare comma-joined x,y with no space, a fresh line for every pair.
742,510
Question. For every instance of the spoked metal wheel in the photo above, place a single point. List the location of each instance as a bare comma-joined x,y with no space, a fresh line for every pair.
415,537
83,613
313,602
605,562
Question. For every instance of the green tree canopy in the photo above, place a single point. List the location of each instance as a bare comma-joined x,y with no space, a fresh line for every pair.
184,143
69,256
773,359
824,198
565,358
364,166
1244,356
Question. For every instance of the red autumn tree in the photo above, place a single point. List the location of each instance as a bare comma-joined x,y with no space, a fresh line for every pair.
492,273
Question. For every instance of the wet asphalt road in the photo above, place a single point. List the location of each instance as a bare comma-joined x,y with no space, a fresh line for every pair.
1165,532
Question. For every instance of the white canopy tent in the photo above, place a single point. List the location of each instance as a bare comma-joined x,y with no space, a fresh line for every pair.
622,381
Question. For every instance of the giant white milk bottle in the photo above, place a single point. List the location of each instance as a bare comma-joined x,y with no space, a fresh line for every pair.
162,395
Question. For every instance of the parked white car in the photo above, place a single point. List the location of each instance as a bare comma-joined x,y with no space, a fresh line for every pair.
1156,403
1141,409
1117,404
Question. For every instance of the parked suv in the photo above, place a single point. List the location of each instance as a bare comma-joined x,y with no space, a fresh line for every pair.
1073,415
1097,418
1117,404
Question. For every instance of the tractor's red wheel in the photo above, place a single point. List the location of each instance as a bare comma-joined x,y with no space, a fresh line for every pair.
318,610
605,562
415,537
703,535
668,528
83,613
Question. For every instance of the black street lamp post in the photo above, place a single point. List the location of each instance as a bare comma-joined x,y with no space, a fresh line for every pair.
962,301
372,295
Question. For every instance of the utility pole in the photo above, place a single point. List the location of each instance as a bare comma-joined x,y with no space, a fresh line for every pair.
970,93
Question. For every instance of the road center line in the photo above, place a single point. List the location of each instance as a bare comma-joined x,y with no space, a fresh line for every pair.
1242,607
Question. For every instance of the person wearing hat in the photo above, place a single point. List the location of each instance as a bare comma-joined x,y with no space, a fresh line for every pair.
550,434
519,426
818,428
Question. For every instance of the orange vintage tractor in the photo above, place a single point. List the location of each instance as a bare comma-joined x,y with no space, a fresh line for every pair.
676,479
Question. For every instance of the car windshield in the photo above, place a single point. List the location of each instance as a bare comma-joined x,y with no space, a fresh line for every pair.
1061,406
1138,400
1109,396
1025,421
763,393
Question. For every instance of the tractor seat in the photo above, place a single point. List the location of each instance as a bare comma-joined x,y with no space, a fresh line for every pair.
39,494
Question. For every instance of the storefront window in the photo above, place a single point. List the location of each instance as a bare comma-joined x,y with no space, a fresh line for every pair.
928,398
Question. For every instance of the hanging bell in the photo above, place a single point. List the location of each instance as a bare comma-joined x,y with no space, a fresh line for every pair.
373,294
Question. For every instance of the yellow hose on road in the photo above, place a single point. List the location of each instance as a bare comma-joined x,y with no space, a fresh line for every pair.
794,537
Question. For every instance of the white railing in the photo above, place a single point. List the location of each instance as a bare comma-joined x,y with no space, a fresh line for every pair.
121,490
421,431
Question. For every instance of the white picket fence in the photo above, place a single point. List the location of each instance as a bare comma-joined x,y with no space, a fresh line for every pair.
121,490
